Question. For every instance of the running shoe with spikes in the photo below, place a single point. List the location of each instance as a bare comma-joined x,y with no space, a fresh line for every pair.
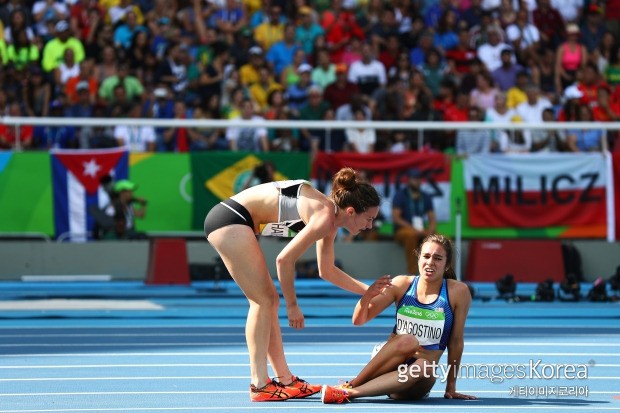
271,392
304,388
331,395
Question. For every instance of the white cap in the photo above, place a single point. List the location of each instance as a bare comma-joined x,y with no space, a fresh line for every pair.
61,26
160,92
255,50
304,67
573,92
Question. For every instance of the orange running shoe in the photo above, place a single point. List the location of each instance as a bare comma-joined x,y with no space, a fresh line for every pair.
330,395
304,388
271,392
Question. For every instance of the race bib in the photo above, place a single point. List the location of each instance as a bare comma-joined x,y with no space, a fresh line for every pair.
426,325
278,229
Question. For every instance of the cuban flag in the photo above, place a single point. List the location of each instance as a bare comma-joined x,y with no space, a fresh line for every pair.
76,178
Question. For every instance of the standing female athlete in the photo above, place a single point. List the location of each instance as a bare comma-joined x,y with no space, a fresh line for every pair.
430,316
292,209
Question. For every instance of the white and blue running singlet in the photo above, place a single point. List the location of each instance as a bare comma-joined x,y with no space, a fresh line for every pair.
429,323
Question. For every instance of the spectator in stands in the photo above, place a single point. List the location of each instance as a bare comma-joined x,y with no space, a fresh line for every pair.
120,106
388,102
592,29
229,19
106,64
36,93
479,34
298,93
390,54
548,140
550,23
280,55
17,21
327,139
472,15
324,73
45,13
248,73
22,52
413,216
202,139
82,106
252,139
341,90
132,86
211,79
418,53
340,28
307,32
505,76
460,57
85,17
570,57
490,52
173,69
585,140
589,82
87,78
446,37
346,111
135,138
571,10
469,80
268,33
8,134
483,95
369,74
178,138
435,10
518,93
360,140
383,30
524,38
259,91
289,74
605,110
314,109
50,136
500,113
126,30
543,74
531,110
124,202
54,50
67,69
473,141
434,70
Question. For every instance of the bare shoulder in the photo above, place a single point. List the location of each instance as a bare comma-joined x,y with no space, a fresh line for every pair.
458,291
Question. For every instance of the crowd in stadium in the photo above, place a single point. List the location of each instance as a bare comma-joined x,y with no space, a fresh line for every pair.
403,60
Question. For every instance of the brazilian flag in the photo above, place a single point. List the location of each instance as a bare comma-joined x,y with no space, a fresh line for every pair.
219,175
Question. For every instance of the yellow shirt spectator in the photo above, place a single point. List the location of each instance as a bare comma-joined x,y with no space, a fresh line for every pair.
515,96
266,34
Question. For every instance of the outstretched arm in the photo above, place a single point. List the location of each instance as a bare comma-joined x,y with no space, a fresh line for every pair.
462,300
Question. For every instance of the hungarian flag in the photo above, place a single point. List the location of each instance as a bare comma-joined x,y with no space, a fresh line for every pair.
76,179
544,190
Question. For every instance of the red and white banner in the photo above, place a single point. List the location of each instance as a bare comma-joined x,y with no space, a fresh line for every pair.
537,191
388,174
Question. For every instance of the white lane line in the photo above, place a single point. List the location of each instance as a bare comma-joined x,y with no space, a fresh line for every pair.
473,404
204,378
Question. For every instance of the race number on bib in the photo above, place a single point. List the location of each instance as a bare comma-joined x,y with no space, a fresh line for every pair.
426,325
279,229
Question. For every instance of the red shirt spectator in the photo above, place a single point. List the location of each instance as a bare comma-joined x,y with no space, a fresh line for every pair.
340,92
340,27
8,135
549,22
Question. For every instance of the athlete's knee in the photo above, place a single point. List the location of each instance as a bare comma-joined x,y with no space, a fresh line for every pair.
406,344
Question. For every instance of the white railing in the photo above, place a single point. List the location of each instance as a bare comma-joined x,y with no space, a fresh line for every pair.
421,127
